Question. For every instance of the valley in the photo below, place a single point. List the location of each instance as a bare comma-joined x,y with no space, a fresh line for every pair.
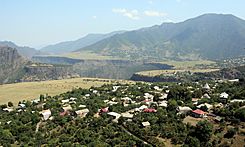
172,84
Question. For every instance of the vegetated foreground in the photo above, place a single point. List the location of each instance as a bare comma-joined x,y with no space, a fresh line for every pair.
30,90
134,114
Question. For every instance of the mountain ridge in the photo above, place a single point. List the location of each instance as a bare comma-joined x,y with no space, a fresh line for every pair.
69,46
209,36
24,51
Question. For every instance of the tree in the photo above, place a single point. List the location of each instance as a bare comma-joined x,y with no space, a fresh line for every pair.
10,104
192,142
240,114
230,133
204,130
172,105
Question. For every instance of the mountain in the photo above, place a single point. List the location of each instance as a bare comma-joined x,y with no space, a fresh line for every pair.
11,64
69,46
209,36
23,50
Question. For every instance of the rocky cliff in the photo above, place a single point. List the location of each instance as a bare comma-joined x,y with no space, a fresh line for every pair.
11,64
43,72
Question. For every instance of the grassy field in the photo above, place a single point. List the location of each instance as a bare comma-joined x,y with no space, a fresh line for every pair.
159,72
187,64
32,90
88,55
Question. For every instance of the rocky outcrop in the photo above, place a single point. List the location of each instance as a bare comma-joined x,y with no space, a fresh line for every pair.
55,60
43,72
11,64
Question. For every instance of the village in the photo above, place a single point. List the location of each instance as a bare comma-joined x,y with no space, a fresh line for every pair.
142,105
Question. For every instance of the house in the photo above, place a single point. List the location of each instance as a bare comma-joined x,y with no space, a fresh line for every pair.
141,108
127,115
198,113
82,106
8,109
148,96
67,108
22,105
224,97
46,114
126,100
163,104
219,105
115,115
150,110
65,101
183,110
82,113
206,96
115,88
164,96
146,124
157,88
73,98
234,80
209,106
218,119
112,103
87,95
103,110
237,101
206,87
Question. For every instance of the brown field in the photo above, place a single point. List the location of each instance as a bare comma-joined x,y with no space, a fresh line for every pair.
31,90
88,56
159,72
187,64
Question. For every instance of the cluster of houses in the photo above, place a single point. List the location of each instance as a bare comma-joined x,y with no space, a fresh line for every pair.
143,104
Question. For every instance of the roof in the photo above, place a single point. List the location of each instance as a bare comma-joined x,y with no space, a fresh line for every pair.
82,111
145,124
209,106
206,86
104,109
117,115
198,111
237,100
150,110
127,115
224,95
206,96
184,108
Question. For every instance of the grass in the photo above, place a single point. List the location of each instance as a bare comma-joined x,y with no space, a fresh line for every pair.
187,64
88,55
160,72
31,90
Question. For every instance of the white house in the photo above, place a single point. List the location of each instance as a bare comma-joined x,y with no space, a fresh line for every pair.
46,114
146,124
82,113
183,110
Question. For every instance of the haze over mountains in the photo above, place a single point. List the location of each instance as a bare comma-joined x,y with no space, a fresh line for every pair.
70,46
24,51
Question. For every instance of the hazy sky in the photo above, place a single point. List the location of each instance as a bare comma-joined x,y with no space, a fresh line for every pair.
40,22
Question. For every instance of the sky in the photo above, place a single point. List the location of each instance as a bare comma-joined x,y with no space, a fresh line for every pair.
37,23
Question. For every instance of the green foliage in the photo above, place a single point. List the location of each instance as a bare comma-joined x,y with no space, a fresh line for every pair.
203,131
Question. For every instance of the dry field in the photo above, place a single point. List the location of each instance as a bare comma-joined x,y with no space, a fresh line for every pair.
159,72
187,64
32,90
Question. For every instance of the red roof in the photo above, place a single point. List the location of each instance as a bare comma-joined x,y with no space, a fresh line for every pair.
198,111
150,110
103,110
63,113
